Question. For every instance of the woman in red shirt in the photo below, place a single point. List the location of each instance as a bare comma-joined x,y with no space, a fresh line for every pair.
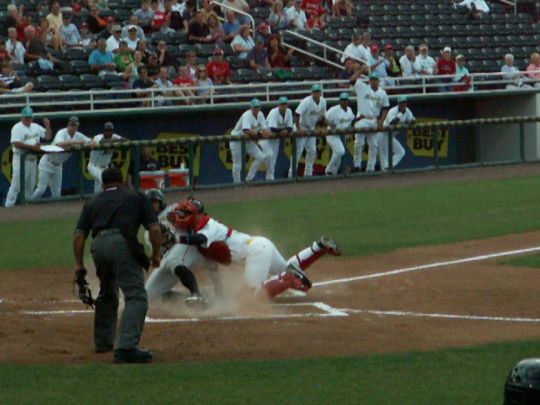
446,66
277,55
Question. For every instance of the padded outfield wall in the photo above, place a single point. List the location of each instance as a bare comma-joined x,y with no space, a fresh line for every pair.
212,162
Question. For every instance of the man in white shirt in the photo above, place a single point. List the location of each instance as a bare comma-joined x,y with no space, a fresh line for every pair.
113,42
427,63
339,117
308,114
365,46
371,112
297,16
511,74
15,48
409,63
133,22
25,137
353,50
50,165
397,115
101,159
280,121
253,125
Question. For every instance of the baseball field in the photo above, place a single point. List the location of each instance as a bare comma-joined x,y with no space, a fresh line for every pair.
433,301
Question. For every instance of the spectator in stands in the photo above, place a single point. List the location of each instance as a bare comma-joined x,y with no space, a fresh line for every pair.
315,13
191,64
231,27
145,15
97,23
133,22
15,48
198,30
113,42
379,65
48,36
427,63
183,83
218,69
446,66
341,8
142,83
462,75
347,73
123,59
410,66
243,42
296,16
394,69
475,8
132,70
277,56
69,32
132,38
257,57
101,61
204,84
189,11
88,40
4,54
533,70
26,21
141,47
512,74
365,44
10,83
165,58
177,21
216,30
76,17
160,16
263,31
165,85
55,17
35,51
207,9
278,18
108,30
354,50
14,15
237,5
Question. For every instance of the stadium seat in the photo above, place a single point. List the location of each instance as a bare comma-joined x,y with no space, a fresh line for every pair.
80,66
48,82
69,81
90,81
74,54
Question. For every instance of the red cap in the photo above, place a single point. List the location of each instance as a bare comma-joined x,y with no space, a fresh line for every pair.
387,47
111,19
263,26
374,47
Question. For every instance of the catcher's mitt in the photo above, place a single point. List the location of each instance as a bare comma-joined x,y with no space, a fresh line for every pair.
81,288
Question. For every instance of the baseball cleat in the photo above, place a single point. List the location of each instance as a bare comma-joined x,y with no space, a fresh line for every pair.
330,245
196,301
299,274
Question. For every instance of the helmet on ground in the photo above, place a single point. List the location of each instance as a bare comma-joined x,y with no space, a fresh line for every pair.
523,383
155,194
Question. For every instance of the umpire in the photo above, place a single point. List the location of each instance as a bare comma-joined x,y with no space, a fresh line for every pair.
114,217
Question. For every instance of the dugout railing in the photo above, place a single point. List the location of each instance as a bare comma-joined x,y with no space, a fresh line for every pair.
135,148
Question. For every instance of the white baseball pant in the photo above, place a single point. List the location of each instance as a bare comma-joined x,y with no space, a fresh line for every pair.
310,145
30,169
270,148
254,151
95,172
372,141
398,152
51,179
338,150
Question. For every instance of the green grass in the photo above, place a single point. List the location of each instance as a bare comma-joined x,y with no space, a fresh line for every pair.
473,375
364,222
524,261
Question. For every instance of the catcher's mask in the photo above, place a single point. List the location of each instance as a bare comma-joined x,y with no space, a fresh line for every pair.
523,383
155,194
186,214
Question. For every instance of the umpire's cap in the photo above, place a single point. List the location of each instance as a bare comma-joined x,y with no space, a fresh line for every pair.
111,175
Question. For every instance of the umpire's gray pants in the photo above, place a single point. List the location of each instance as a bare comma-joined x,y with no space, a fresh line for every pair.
116,267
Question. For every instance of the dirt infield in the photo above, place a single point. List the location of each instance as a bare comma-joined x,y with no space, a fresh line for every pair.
444,305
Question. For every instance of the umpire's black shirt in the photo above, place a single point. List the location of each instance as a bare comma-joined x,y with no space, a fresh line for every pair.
116,208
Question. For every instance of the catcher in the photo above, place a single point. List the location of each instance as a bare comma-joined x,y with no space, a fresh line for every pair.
265,269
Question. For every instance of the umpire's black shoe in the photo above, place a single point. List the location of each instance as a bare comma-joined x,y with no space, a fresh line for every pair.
104,348
135,355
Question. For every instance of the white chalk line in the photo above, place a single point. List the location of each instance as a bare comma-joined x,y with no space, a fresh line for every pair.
59,312
413,314
428,266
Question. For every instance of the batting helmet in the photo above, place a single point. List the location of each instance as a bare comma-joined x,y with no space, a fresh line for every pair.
523,383
155,194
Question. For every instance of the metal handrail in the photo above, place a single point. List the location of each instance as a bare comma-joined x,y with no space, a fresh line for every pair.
236,11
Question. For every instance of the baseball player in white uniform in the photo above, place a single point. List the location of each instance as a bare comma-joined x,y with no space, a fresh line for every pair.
371,112
280,121
25,137
339,117
50,165
309,112
265,269
101,159
398,114
252,124
177,259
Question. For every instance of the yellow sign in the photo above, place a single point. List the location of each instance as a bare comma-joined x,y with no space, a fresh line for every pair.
120,159
7,157
420,141
172,156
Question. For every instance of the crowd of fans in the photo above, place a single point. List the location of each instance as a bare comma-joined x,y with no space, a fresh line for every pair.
124,48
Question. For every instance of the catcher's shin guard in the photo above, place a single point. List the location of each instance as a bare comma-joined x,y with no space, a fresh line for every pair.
187,279
283,282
